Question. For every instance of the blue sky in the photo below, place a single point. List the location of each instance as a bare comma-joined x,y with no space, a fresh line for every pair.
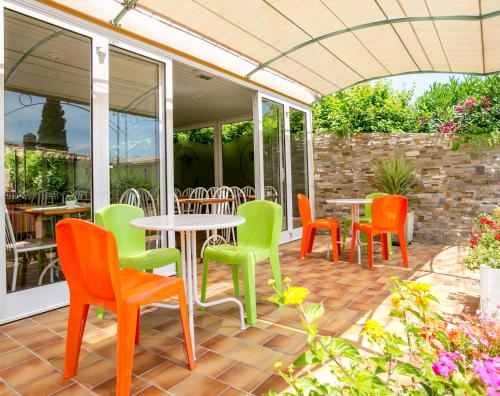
421,81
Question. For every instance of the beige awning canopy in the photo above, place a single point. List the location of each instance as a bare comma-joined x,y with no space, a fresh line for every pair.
324,45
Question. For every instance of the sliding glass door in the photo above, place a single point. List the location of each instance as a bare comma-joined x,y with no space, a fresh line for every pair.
47,153
285,161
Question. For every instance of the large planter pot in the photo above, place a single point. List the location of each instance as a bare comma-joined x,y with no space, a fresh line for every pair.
409,226
490,289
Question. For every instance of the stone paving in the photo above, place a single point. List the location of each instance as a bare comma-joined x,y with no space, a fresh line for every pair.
230,361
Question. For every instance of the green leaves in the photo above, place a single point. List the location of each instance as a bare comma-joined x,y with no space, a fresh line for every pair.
408,370
395,175
313,312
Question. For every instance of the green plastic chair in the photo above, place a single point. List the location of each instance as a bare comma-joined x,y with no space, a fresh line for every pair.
131,242
257,240
367,218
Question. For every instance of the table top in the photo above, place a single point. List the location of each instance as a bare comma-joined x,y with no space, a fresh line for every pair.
57,210
349,201
205,201
187,222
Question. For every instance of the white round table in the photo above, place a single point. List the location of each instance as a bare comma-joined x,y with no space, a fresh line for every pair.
187,225
354,204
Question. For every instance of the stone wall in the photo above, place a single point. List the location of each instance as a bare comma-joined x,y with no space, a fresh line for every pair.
454,186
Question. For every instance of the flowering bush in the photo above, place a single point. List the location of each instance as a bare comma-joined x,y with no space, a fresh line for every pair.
484,244
429,356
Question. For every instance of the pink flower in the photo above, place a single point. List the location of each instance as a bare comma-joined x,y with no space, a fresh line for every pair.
469,102
459,109
486,101
422,121
445,366
448,127
489,373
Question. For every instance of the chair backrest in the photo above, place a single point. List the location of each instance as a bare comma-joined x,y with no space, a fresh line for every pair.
304,209
131,197
177,192
187,192
147,202
271,192
89,258
262,227
368,206
212,191
248,190
116,218
389,212
10,237
177,205
225,208
197,193
239,196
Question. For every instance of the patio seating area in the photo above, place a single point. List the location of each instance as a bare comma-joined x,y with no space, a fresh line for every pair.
230,361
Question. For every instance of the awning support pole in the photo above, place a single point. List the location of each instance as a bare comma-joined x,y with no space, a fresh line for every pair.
127,6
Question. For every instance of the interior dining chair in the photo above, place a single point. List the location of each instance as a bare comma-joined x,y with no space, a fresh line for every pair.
388,217
366,218
89,259
309,227
257,240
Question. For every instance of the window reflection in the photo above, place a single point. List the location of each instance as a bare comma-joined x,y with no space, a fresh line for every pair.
47,143
238,154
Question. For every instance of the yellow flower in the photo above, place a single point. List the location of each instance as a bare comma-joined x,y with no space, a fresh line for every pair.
395,301
287,280
295,295
394,278
374,330
278,365
423,287
423,301
271,282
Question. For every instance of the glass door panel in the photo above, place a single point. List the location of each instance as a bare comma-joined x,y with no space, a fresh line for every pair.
48,169
298,161
238,154
273,134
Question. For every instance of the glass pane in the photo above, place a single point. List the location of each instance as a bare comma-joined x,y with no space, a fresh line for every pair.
194,158
47,143
237,154
273,129
134,134
298,158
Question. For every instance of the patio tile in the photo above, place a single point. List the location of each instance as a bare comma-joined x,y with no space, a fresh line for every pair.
274,382
212,364
167,375
52,350
25,371
95,373
73,390
150,391
233,392
5,390
284,344
255,335
46,384
256,355
108,388
40,339
14,356
7,344
243,376
198,384
177,354
222,343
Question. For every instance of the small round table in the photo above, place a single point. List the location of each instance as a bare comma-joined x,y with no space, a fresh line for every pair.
354,203
187,225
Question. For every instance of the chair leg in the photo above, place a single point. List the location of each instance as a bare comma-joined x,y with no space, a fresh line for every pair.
369,241
305,242
185,327
353,242
76,325
274,260
385,247
178,265
100,313
138,327
127,321
389,244
335,249
402,244
312,235
248,268
204,277
236,280
344,232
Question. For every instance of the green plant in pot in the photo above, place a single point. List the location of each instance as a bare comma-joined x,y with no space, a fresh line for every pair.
397,175
70,199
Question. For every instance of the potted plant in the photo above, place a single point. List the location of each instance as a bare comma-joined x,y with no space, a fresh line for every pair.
70,200
396,175
483,254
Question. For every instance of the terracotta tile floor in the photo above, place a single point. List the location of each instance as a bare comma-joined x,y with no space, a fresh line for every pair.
230,361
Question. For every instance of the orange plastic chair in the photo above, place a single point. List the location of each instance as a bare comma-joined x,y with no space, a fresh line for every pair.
309,227
89,259
388,217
